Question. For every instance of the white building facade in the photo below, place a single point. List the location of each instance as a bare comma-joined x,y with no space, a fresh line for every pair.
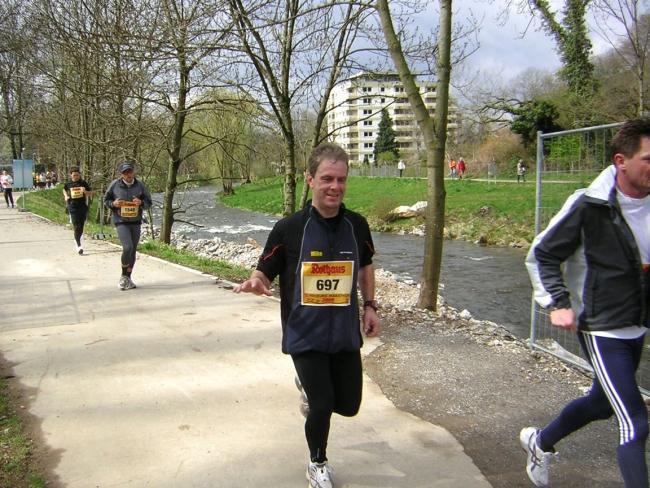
355,107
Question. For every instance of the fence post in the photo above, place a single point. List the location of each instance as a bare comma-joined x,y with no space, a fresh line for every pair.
538,225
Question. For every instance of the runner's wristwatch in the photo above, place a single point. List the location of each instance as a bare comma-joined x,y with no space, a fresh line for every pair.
372,304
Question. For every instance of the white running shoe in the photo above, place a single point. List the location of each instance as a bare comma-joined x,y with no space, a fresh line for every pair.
304,402
124,281
538,461
129,285
319,475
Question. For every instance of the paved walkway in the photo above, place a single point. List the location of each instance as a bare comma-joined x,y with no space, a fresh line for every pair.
179,383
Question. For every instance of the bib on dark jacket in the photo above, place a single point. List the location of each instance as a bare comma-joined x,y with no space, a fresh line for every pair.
318,261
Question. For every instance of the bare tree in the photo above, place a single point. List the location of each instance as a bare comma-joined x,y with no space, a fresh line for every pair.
434,133
568,28
16,75
293,47
625,25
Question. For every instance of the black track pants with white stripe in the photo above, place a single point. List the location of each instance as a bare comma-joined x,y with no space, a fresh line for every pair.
613,392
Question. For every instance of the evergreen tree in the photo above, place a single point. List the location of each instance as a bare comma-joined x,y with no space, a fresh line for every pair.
532,116
385,141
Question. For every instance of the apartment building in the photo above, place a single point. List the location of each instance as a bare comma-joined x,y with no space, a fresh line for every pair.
355,107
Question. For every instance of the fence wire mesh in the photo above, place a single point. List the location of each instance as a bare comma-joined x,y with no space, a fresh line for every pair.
566,161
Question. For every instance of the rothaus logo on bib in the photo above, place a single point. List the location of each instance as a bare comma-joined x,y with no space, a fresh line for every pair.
326,283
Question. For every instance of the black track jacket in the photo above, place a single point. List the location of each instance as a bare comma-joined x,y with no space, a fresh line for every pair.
587,258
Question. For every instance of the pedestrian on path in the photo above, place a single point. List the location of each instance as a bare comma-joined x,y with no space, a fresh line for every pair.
321,254
127,197
76,193
401,167
7,182
603,235
521,171
461,168
452,169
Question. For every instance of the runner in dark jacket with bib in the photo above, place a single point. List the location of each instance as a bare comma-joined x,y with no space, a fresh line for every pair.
76,193
127,197
321,254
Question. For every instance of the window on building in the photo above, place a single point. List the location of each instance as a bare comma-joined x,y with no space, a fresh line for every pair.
367,122
366,89
368,145
382,89
367,134
399,89
367,100
367,111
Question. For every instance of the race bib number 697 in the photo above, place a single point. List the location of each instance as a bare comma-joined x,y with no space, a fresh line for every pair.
326,283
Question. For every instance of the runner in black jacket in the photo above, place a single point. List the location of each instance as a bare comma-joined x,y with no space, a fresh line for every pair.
320,254
76,193
589,268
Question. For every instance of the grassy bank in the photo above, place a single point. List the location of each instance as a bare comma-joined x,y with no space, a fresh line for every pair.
16,467
500,213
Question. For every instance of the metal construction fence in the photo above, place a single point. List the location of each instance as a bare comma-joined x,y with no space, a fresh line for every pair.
573,158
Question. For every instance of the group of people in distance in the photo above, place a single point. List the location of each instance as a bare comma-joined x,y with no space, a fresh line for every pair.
457,168
590,269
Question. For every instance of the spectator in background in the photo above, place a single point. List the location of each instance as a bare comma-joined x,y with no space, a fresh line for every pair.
461,168
7,182
521,171
401,167
452,168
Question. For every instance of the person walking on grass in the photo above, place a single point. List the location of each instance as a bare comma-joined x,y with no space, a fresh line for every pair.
460,168
401,167
76,193
590,270
521,171
127,198
7,182
322,254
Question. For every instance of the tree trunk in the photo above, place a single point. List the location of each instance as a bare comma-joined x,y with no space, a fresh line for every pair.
174,156
434,136
640,76
289,190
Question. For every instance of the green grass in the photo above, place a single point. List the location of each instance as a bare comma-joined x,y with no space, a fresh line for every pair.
15,449
499,213
214,267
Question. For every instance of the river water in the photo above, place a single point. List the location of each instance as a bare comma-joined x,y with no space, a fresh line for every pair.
490,282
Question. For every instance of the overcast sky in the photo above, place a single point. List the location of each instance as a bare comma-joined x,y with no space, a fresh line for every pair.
503,51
